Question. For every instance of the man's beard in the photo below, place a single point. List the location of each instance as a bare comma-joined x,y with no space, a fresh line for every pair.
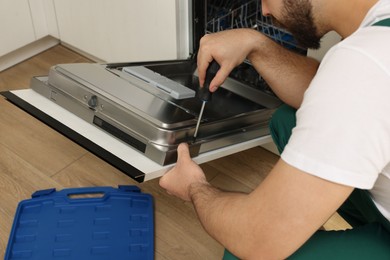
297,18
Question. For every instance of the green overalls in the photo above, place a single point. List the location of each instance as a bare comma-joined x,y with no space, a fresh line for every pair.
370,236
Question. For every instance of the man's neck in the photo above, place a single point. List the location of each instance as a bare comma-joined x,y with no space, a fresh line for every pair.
345,16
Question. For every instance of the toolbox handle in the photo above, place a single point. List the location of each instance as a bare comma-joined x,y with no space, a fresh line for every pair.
104,190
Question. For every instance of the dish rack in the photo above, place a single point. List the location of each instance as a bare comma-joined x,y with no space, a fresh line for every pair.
232,14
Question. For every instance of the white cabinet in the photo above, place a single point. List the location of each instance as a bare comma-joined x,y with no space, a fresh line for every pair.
25,21
25,26
108,30
16,25
124,30
43,18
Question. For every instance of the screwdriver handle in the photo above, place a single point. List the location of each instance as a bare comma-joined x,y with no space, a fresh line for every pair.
204,93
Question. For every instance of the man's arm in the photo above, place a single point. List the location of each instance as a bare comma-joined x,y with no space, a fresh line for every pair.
289,74
271,222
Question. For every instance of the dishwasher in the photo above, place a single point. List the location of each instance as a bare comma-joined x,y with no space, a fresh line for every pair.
153,106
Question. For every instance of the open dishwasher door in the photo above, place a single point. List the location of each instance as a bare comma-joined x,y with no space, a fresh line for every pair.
149,117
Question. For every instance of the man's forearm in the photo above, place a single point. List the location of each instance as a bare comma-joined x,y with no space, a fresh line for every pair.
219,212
288,73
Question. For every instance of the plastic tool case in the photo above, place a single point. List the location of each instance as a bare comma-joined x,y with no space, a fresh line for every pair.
152,106
55,225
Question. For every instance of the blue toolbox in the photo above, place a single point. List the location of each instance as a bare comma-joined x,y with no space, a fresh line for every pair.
84,223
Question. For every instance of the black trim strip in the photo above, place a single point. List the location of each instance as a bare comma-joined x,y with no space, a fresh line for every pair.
115,161
135,143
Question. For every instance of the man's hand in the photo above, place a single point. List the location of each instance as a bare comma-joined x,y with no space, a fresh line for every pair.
183,176
286,72
229,48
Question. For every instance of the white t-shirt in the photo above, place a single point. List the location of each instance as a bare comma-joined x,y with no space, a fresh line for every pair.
343,126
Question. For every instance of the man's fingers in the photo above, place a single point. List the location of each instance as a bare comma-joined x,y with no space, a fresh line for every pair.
201,72
219,78
183,153
202,68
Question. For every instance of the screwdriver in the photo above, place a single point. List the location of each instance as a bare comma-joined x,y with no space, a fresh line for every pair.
204,93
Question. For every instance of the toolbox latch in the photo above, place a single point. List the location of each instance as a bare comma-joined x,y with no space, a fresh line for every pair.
41,193
129,188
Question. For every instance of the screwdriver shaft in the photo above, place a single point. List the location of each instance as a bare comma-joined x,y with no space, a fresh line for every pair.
204,93
199,118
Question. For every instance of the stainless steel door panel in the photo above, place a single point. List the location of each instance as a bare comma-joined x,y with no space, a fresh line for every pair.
93,79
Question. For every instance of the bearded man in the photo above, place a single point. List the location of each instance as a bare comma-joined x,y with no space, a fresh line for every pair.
333,134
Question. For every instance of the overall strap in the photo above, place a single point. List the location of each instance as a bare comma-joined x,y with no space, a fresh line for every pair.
385,22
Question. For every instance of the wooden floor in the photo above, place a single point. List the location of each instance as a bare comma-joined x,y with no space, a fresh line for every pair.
35,157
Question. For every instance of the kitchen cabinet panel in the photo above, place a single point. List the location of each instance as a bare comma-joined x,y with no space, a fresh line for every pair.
122,30
16,26
43,18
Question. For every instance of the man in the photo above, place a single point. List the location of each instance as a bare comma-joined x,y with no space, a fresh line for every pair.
339,148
